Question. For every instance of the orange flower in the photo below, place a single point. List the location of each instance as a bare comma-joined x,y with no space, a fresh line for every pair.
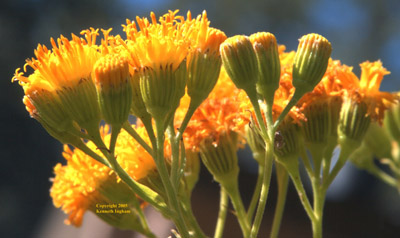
79,185
222,112
366,89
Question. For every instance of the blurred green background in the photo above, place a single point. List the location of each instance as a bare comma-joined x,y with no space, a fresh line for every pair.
359,30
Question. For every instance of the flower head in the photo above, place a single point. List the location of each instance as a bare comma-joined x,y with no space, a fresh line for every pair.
113,84
158,50
157,44
83,182
203,60
64,72
269,67
225,110
310,62
64,66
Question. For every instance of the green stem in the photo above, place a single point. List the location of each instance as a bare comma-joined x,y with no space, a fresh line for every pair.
264,189
256,193
267,167
192,108
293,171
163,172
190,218
283,182
142,217
150,131
83,147
232,188
223,209
306,161
132,132
316,151
260,120
174,156
319,201
115,130
296,97
326,166
344,154
142,191
386,178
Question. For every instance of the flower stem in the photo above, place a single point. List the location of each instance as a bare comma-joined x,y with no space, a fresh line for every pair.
132,132
268,131
343,156
264,189
296,97
257,111
386,178
223,209
293,171
190,218
142,191
192,108
175,163
83,147
256,193
232,188
283,182
319,201
163,172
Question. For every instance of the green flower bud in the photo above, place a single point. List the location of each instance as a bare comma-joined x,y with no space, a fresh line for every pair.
269,66
220,157
255,141
82,105
353,123
240,62
310,62
162,89
203,71
111,76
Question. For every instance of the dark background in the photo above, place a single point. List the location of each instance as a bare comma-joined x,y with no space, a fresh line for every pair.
359,30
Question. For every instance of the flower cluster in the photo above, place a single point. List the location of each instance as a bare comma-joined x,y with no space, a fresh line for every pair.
193,91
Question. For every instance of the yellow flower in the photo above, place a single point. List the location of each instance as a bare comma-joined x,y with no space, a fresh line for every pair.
157,53
157,44
203,59
62,76
84,182
202,37
75,184
63,66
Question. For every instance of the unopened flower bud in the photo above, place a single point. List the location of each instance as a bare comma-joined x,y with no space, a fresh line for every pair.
269,65
46,108
353,123
220,157
203,60
287,141
310,62
111,76
240,62
138,108
81,103
162,88
203,71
